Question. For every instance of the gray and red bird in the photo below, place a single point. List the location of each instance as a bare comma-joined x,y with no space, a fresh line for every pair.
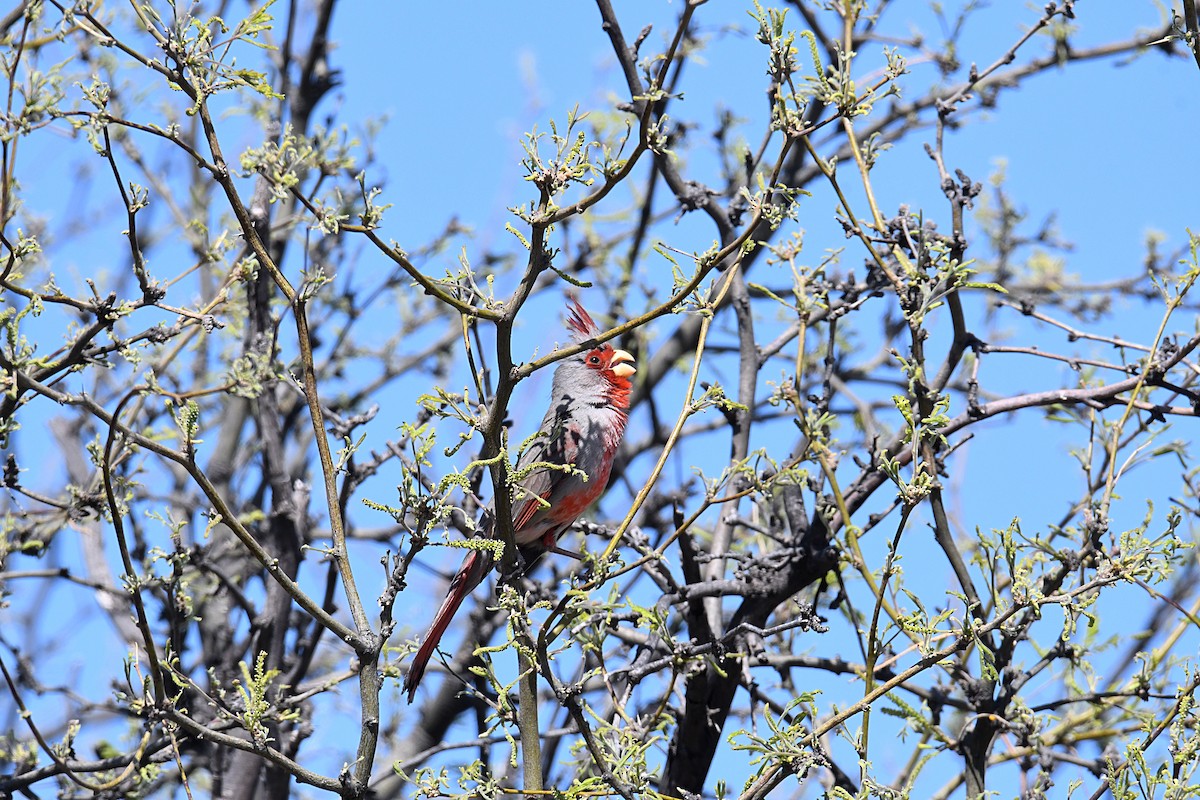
589,402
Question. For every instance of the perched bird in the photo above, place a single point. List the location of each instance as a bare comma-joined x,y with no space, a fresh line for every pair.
582,428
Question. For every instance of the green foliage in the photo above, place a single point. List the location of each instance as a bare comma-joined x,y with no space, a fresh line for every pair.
786,741
256,689
232,344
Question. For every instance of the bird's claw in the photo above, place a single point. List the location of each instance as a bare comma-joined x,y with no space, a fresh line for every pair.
519,565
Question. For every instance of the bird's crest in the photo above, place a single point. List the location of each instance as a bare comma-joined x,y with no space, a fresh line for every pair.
582,325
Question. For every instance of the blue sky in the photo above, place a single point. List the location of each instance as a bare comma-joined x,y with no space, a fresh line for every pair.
460,84
1083,143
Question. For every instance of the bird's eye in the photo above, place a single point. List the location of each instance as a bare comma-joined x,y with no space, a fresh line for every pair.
593,359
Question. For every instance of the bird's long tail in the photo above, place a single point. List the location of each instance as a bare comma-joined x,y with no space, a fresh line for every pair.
475,567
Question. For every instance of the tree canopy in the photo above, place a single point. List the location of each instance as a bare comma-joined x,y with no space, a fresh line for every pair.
901,510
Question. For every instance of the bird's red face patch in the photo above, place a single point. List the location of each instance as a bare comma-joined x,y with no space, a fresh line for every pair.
615,365
599,357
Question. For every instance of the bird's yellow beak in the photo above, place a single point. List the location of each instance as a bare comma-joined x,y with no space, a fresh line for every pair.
621,364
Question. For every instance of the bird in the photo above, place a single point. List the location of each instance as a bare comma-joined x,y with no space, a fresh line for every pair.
582,429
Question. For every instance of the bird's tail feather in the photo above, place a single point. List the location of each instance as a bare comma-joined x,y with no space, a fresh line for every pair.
475,566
